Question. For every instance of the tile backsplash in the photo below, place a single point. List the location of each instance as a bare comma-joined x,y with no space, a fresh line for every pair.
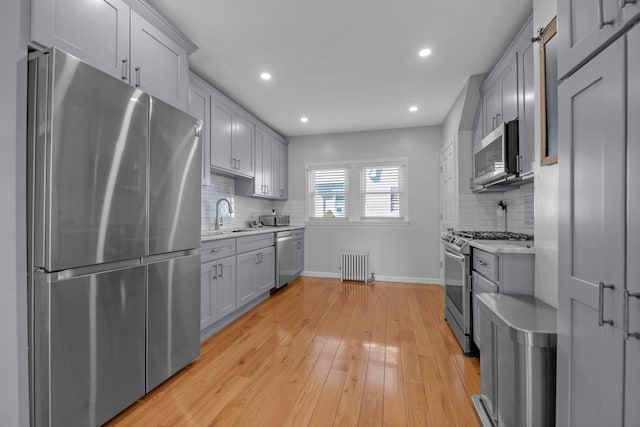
481,212
244,208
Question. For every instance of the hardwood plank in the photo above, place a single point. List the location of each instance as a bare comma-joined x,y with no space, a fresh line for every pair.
322,352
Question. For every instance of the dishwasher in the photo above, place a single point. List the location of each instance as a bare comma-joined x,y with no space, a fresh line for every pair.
289,259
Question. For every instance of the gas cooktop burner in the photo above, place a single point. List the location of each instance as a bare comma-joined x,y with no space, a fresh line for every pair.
492,235
459,240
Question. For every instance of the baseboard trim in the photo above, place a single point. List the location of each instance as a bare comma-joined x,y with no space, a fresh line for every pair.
320,274
403,279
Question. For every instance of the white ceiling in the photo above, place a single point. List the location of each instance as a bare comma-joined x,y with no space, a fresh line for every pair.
346,64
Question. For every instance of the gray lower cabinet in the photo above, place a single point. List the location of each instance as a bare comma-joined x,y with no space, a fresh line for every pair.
217,290
256,274
299,254
266,270
247,283
592,149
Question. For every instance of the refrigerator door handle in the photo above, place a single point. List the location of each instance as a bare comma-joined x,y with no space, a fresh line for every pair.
92,269
162,257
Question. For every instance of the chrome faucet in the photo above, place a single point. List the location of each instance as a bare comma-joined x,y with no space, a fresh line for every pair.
217,226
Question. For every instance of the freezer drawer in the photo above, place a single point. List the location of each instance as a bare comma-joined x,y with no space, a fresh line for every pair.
89,351
173,322
88,135
175,159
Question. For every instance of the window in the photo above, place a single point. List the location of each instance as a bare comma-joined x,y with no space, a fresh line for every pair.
382,191
381,184
328,193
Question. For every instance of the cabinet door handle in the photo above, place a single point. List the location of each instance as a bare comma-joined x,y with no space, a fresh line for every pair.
124,69
625,319
215,272
601,16
601,319
519,164
493,122
137,76
220,270
238,164
623,3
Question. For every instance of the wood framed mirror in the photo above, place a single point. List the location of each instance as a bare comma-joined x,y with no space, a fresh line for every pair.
548,93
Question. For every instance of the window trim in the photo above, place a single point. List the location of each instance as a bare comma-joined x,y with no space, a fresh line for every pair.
354,195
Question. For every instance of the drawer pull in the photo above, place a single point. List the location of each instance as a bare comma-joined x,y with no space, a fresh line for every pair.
483,263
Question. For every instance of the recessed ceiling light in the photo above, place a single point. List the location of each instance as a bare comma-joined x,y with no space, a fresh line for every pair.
424,52
265,76
304,119
413,109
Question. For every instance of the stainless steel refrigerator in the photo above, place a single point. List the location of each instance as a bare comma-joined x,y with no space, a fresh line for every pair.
114,211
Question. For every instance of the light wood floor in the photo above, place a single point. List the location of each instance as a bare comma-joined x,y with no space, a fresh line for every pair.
321,353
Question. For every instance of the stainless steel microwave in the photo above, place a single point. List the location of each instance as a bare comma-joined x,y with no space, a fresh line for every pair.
496,158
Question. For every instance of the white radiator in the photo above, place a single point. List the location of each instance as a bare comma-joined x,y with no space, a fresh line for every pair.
355,266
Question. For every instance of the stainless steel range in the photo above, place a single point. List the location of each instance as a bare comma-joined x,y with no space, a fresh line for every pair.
457,281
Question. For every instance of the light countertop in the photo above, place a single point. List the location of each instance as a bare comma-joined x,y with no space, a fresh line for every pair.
240,232
504,246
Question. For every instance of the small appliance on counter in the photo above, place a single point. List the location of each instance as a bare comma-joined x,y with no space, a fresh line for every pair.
274,220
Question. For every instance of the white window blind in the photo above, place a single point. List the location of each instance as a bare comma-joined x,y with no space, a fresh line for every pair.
328,193
383,191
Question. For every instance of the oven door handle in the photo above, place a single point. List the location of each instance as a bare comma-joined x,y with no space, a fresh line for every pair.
454,256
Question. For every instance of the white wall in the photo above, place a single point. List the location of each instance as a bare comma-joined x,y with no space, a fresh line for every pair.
13,301
546,189
397,252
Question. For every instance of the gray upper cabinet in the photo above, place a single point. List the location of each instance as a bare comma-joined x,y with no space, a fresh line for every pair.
591,345
500,96
632,372
281,171
583,27
491,109
158,65
526,109
200,108
95,31
232,140
263,184
237,144
509,92
110,36
221,136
